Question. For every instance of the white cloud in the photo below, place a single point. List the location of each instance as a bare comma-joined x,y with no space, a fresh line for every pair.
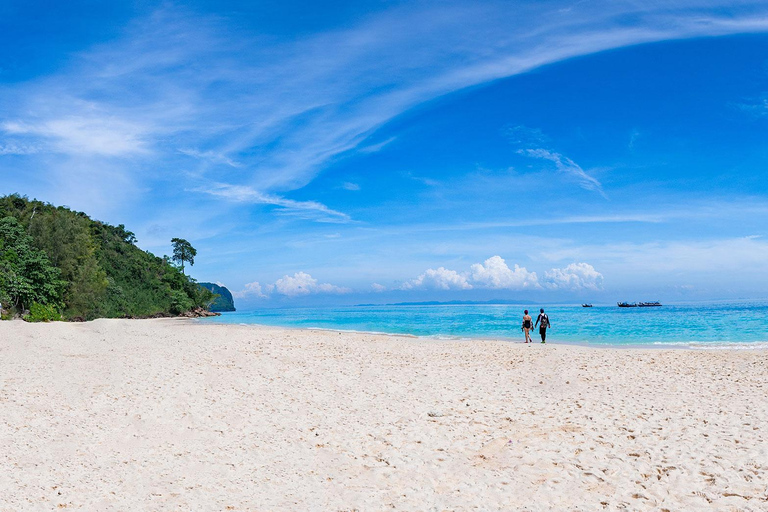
495,274
250,290
97,135
350,186
297,285
576,276
378,288
757,108
14,148
525,136
302,283
285,108
245,194
724,260
374,148
566,165
425,181
211,156
440,279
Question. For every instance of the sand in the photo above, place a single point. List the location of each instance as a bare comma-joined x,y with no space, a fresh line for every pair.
177,415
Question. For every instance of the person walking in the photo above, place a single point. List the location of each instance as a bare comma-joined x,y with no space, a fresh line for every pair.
527,326
544,320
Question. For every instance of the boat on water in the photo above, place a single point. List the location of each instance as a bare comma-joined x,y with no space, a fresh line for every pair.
638,304
586,305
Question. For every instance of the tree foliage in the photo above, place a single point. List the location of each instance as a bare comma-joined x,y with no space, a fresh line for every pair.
183,251
86,268
26,274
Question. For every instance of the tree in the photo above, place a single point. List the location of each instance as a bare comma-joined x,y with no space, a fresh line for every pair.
26,274
183,251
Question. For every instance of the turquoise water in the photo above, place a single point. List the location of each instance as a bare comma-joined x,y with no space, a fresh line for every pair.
695,325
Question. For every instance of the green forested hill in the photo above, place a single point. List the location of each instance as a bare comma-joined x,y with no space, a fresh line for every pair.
56,261
224,301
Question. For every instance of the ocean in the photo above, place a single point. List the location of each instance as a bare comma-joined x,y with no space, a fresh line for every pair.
710,325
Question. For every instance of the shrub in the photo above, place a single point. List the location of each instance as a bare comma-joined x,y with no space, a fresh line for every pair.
42,313
180,302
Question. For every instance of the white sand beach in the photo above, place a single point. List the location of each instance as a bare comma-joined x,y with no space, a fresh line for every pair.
173,414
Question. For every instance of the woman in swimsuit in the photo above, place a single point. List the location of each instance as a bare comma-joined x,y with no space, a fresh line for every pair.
527,326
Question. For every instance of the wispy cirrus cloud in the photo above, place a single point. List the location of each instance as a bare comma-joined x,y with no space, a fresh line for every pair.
12,147
82,136
283,109
210,156
373,148
567,166
245,194
533,143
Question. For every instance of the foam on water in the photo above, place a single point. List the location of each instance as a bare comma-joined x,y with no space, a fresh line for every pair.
732,325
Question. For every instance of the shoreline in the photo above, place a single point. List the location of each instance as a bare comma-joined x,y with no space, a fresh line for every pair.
676,345
172,414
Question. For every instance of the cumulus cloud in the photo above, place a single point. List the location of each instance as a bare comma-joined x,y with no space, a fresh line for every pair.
302,283
576,276
495,274
297,285
440,279
250,290
491,274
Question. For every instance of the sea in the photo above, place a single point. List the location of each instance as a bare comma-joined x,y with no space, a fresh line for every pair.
718,325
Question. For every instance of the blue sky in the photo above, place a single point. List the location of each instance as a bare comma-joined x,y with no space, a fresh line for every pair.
343,152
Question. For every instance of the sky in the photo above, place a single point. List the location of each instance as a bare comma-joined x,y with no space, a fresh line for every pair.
383,151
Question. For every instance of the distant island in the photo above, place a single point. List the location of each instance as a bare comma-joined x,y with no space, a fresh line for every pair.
224,302
58,264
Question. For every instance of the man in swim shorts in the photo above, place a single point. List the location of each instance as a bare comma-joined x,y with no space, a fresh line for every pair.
544,319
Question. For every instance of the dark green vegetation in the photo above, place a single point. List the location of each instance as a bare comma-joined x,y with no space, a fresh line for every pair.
57,263
224,301
183,251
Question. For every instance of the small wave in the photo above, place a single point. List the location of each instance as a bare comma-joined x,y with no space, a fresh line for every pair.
714,345
443,337
353,331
